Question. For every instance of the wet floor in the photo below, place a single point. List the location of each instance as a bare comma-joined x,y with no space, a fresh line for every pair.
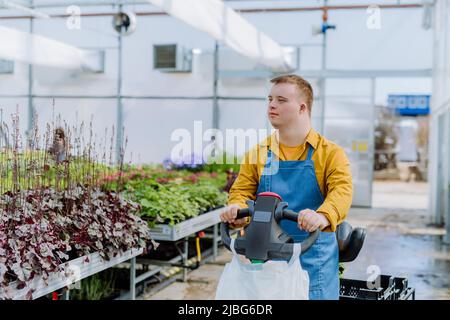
401,243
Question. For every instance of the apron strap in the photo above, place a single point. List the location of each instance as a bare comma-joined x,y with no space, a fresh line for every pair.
268,170
310,152
269,158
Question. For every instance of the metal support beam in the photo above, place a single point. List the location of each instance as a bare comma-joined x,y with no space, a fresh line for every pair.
215,87
323,80
215,120
119,129
441,168
362,6
30,88
123,97
133,279
330,73
446,176
215,241
433,156
447,223
185,258
350,74
372,137
215,92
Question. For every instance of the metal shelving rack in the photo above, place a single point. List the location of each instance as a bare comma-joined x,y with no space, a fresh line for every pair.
180,231
91,264
79,268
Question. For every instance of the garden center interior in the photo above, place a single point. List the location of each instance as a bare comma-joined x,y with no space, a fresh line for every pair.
156,103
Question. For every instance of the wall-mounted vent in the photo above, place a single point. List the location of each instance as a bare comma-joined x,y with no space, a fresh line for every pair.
172,58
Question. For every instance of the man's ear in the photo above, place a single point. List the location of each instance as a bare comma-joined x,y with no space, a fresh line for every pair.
303,108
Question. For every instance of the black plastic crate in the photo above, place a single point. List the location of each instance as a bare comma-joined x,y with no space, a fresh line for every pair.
351,289
391,288
408,294
401,290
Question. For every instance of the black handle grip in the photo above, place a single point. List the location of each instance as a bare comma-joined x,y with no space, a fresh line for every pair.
290,215
286,249
242,213
225,228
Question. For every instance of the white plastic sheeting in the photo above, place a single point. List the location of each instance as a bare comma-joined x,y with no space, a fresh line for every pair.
13,5
38,50
230,28
441,61
439,150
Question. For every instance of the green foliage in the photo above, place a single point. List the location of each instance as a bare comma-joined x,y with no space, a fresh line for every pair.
172,203
95,287
35,169
161,203
222,163
206,196
341,270
172,196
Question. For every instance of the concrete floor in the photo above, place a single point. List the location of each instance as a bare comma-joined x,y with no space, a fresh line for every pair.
397,194
399,242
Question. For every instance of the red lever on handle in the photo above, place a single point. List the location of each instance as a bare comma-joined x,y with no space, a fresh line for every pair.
270,194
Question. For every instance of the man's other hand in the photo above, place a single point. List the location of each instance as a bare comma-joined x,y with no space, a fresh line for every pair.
310,221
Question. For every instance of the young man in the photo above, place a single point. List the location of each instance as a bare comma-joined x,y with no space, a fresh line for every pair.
311,173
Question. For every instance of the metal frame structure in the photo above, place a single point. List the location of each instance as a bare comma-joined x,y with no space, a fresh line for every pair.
168,268
441,187
322,74
30,87
119,124
362,6
218,74
164,232
81,267
447,224
181,231
173,232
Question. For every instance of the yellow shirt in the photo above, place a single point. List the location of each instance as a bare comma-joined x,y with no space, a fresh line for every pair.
332,171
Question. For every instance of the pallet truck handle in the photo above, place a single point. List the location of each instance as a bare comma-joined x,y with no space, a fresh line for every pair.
225,228
308,242
243,213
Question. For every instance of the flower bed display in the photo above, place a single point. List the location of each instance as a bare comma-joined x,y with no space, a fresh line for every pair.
60,199
172,196
54,210
40,230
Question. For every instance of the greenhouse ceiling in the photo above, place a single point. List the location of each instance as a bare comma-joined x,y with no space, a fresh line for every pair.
233,3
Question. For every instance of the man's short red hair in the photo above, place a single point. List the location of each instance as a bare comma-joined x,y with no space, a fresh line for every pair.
303,86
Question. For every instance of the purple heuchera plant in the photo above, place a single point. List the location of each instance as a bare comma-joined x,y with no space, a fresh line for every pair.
47,228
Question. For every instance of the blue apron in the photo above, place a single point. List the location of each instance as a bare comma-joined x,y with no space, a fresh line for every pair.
296,183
